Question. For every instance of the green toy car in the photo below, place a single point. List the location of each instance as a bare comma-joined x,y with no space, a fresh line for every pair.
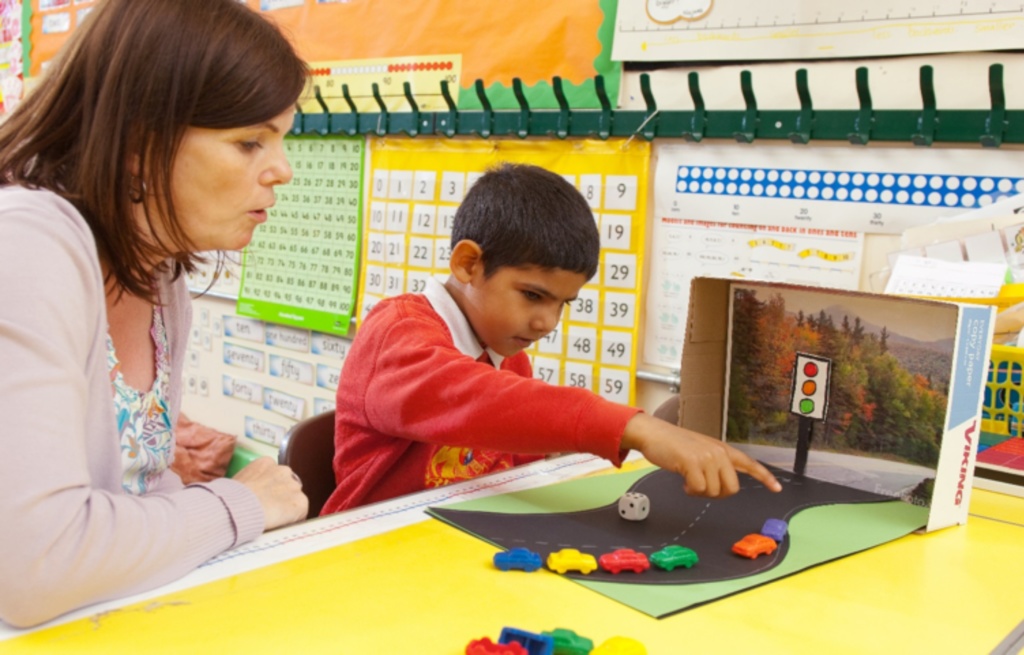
671,557
567,642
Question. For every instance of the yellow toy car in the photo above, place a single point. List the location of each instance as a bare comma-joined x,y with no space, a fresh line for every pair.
570,559
620,646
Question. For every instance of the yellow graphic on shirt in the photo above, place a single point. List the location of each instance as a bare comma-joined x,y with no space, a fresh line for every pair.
454,463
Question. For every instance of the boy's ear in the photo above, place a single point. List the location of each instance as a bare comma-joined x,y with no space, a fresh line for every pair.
467,259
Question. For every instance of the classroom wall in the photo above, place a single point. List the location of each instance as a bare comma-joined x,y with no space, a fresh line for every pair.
961,82
230,357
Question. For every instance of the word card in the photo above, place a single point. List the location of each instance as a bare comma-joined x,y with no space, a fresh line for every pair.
301,266
416,188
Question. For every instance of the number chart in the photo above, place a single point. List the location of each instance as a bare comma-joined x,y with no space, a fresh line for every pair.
301,266
416,187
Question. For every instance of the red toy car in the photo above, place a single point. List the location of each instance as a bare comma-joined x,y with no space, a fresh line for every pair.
624,559
485,646
753,545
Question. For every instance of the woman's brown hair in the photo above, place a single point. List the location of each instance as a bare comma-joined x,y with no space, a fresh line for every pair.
104,125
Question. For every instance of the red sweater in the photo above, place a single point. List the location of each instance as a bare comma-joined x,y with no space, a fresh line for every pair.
413,412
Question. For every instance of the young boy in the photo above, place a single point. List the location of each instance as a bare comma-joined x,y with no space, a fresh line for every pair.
437,388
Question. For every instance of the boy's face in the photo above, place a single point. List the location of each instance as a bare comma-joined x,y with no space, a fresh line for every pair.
516,306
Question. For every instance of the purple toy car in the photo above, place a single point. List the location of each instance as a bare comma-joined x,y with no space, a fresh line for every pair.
775,529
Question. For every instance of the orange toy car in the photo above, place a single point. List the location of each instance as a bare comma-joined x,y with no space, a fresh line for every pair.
753,545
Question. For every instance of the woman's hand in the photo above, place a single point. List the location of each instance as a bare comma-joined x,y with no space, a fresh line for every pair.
278,490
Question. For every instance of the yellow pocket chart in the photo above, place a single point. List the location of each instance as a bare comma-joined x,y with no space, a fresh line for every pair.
416,187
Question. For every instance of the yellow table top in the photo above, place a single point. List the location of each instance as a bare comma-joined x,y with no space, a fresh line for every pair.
429,588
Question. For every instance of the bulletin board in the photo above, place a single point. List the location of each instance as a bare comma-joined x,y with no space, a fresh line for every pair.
416,186
356,41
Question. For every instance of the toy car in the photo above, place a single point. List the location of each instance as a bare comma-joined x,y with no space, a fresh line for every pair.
485,646
774,529
670,557
567,642
620,646
532,642
624,559
570,559
517,558
753,545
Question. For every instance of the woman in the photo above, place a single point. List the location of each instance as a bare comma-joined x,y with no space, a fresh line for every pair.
156,136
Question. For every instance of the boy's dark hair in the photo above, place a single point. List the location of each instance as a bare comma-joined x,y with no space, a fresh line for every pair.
523,215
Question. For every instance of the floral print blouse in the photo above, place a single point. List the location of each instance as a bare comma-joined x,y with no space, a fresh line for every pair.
143,420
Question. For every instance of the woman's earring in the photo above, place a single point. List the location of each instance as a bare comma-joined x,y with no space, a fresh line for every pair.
136,190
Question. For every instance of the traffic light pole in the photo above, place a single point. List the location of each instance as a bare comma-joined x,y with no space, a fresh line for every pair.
805,433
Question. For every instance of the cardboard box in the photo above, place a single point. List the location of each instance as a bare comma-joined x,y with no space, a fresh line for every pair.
905,385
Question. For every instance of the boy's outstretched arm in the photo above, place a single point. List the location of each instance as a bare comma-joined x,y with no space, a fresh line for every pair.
708,465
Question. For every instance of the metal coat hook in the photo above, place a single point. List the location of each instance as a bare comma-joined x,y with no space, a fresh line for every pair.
604,121
995,122
650,120
352,119
450,121
382,117
748,127
523,130
865,116
925,134
564,114
487,114
805,119
414,109
698,123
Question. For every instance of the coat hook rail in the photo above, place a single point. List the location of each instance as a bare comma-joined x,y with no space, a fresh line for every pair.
990,127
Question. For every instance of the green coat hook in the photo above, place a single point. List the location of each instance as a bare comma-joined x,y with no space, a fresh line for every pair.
349,123
649,127
487,114
449,122
995,123
698,123
748,126
382,118
298,121
564,113
523,129
925,134
323,121
604,121
805,119
414,110
861,133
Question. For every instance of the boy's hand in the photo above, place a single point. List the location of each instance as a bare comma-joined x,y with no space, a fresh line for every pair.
708,465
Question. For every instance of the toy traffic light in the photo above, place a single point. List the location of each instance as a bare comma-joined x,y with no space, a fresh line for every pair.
810,386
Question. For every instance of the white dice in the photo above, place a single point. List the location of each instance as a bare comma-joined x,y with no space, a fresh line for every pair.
634,506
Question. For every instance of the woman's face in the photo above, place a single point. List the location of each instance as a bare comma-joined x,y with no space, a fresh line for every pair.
223,181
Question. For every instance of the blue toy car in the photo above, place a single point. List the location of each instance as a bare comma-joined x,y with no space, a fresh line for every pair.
517,558
775,529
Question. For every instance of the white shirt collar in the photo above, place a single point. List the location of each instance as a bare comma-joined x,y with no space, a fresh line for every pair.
465,339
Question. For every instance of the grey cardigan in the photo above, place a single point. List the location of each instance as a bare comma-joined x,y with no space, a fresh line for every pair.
69,534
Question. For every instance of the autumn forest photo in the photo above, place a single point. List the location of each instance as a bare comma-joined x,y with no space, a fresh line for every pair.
889,376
